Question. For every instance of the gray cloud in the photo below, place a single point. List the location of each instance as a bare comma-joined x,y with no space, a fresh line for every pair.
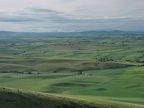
43,19
39,15
32,15
16,19
44,10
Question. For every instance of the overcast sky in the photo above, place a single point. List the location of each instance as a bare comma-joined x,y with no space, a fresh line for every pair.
71,15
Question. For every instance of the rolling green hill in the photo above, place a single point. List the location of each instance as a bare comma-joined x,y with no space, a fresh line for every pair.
47,52
121,85
72,70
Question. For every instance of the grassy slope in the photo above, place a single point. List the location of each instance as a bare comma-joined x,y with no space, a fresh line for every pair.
125,84
14,98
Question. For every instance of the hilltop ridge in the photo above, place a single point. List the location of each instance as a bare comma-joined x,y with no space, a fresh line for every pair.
16,98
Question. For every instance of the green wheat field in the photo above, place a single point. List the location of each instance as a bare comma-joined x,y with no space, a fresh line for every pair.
72,70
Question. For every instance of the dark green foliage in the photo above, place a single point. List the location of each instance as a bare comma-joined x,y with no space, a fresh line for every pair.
29,72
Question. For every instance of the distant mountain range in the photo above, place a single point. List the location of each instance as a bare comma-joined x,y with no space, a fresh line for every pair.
11,33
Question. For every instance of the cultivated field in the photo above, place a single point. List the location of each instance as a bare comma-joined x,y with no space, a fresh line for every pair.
96,67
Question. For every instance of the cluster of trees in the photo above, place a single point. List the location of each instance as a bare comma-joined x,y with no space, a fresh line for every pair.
137,61
79,72
105,59
14,71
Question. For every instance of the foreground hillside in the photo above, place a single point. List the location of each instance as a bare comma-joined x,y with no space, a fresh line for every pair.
15,98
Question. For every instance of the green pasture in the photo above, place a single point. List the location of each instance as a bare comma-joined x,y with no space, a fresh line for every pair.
122,84
112,65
